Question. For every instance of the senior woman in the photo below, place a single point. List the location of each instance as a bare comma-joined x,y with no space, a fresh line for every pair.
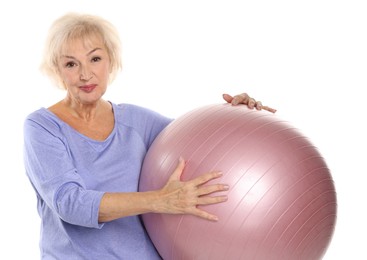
83,155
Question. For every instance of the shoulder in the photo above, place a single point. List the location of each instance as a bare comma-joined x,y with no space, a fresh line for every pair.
131,108
146,122
130,113
41,119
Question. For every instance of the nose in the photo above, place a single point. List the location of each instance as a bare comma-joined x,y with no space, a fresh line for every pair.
85,73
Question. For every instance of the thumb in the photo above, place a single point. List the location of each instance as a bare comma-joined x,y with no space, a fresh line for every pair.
227,98
176,175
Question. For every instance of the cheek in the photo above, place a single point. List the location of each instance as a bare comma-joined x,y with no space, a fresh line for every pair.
68,76
106,71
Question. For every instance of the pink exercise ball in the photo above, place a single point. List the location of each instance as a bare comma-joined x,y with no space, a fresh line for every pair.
282,200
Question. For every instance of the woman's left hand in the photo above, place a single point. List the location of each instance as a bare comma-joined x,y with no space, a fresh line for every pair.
245,99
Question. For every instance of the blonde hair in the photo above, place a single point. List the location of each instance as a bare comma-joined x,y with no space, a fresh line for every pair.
73,26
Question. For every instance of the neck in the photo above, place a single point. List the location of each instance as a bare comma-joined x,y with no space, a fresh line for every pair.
87,112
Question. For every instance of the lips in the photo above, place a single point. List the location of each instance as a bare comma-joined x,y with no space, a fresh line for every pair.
88,88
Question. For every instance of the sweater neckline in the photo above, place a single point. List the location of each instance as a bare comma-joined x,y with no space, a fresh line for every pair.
61,122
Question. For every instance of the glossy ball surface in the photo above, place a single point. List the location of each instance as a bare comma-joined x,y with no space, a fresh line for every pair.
282,200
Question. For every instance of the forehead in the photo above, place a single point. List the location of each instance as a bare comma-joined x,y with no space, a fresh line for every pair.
82,43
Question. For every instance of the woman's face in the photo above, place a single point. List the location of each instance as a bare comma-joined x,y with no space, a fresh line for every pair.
84,67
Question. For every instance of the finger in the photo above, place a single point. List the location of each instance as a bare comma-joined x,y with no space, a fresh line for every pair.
258,105
207,200
176,175
205,178
241,98
208,189
203,214
227,98
251,103
272,110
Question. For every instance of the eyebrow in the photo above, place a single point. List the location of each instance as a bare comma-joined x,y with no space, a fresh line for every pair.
89,53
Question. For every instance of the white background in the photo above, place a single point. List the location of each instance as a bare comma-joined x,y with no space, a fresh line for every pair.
308,59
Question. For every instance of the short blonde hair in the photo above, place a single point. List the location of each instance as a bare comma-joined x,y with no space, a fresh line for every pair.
73,26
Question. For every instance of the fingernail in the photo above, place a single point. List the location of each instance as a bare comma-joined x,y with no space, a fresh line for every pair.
181,159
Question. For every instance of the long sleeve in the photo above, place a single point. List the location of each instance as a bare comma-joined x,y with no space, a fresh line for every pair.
50,169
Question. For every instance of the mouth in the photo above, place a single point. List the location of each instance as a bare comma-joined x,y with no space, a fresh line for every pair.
88,88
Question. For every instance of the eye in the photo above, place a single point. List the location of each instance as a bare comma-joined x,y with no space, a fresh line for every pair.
70,64
96,59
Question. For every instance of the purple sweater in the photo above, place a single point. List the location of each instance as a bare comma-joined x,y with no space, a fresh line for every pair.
70,173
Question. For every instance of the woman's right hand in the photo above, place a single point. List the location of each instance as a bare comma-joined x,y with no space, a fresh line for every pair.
178,197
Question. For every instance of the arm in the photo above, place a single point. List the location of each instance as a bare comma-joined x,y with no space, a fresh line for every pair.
176,197
57,183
